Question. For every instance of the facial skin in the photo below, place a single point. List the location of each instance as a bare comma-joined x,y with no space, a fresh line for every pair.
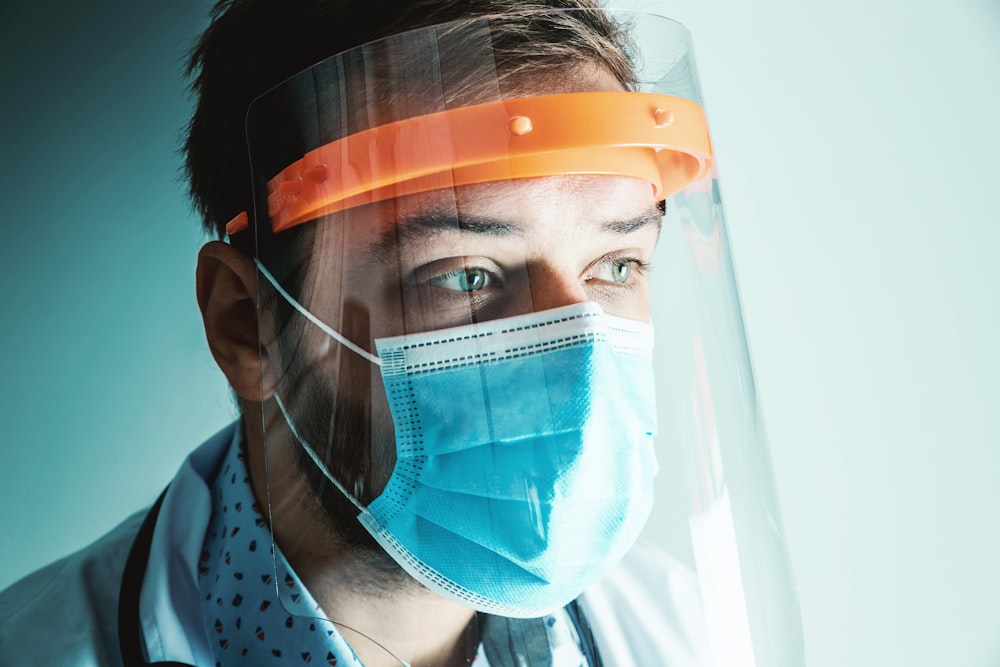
419,263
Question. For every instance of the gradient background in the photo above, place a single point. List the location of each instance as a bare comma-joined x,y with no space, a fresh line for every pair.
858,145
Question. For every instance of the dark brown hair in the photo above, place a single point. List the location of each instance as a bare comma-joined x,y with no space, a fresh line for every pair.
251,46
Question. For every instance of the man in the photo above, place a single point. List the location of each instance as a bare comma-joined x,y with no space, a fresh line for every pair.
433,306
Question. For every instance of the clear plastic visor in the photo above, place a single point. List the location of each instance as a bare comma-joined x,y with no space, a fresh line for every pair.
506,371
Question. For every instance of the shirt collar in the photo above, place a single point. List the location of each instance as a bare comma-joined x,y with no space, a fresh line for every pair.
169,610
256,609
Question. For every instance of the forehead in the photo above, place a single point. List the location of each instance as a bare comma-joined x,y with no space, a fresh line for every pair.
524,211
528,199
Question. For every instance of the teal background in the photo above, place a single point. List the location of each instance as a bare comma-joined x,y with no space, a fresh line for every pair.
106,381
858,147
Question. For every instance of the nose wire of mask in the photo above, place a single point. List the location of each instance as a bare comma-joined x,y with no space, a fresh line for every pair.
315,320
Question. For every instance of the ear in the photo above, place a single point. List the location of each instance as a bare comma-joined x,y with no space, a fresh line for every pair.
226,282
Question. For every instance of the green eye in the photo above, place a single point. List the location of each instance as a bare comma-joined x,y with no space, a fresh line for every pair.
621,270
473,280
463,280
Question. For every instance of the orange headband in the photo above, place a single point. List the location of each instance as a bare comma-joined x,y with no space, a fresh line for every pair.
661,139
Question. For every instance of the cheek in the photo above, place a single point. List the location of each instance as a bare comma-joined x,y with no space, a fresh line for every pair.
396,308
387,309
633,306
642,310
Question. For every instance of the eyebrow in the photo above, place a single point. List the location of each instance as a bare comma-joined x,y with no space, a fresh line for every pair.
653,216
428,223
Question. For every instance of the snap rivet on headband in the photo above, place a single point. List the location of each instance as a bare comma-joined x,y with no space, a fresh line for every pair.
663,117
288,191
292,187
519,125
239,222
316,174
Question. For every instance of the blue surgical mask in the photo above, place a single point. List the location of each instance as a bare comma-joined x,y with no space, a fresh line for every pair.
524,454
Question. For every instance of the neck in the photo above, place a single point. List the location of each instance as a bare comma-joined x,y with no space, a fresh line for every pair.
417,627
383,613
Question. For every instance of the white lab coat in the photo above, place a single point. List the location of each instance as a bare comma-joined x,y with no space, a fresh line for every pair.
67,613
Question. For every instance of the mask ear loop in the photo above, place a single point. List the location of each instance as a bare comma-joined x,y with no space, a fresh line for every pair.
305,445
325,328
281,404
315,458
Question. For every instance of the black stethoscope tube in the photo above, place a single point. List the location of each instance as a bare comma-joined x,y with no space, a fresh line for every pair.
129,632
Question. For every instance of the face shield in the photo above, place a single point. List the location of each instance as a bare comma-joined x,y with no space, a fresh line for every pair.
504,358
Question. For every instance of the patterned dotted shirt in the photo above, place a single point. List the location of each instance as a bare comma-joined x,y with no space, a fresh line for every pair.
250,623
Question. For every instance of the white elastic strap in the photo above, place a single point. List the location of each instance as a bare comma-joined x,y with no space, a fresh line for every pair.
315,320
315,459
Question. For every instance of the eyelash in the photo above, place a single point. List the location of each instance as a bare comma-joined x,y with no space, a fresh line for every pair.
495,281
639,266
492,278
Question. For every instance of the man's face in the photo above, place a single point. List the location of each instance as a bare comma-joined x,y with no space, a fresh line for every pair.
443,259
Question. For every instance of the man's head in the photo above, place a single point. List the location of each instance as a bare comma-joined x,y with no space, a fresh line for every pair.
436,309
412,180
